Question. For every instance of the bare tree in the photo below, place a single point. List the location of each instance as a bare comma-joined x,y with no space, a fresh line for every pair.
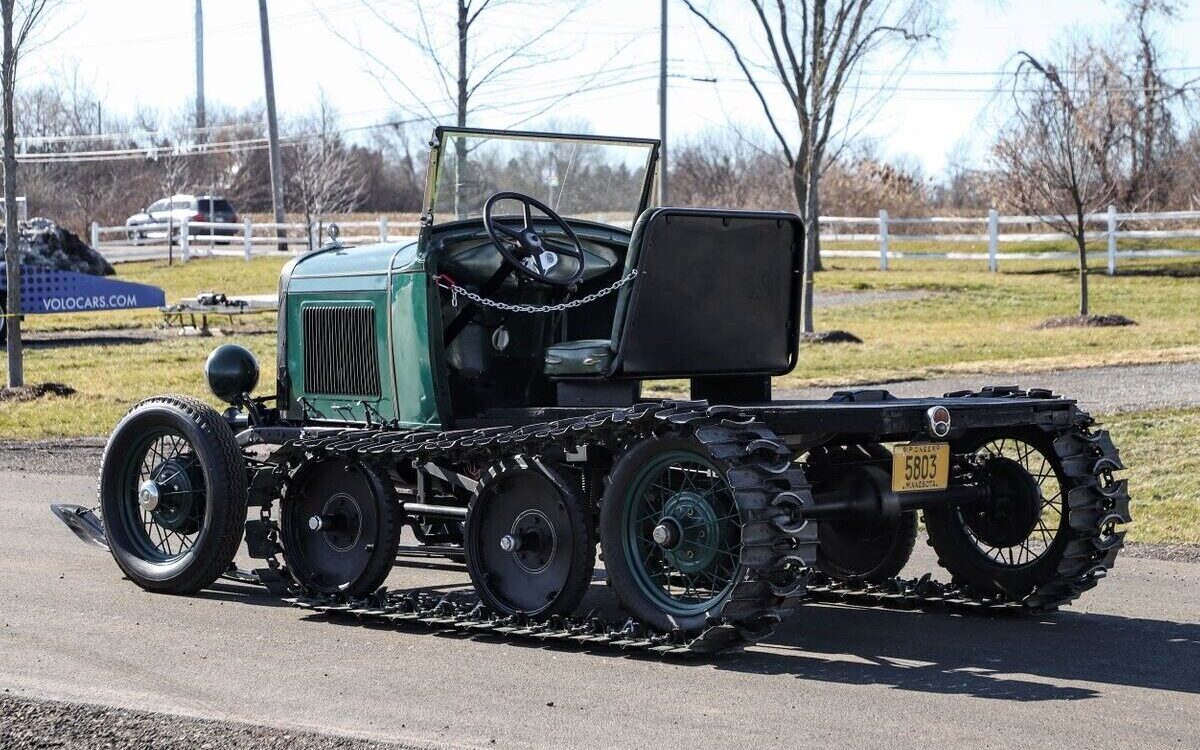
473,66
815,52
1059,154
325,176
20,18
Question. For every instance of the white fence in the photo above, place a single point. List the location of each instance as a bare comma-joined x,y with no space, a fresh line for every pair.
248,238
1111,222
244,240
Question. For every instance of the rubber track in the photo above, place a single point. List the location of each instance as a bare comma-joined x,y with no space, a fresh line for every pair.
770,490
1095,507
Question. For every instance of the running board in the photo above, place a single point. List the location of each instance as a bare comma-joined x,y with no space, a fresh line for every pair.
86,524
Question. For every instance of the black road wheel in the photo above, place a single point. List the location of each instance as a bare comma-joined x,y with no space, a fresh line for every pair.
340,524
671,533
1016,540
530,541
173,494
861,550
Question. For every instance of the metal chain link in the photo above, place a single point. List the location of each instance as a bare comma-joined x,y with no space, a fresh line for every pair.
456,290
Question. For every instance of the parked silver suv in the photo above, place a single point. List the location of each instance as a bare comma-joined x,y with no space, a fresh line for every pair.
153,221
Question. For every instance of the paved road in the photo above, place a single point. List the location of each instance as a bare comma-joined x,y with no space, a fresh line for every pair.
1122,669
1104,390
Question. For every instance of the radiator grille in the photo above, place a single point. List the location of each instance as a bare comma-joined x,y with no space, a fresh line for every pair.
340,355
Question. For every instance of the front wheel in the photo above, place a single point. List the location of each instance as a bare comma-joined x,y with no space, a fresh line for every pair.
173,494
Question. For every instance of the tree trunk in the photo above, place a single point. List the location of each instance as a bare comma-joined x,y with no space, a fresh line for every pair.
1083,275
807,197
12,236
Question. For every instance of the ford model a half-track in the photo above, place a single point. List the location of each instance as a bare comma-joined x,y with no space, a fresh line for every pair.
482,385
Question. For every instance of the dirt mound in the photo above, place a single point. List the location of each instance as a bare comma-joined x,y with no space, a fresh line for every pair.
45,243
831,337
1087,321
34,392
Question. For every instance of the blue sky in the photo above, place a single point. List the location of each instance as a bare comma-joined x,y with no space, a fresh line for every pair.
140,52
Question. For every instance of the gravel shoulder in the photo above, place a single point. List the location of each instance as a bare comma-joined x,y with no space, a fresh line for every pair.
36,723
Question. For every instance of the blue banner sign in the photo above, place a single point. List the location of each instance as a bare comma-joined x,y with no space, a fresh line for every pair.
47,290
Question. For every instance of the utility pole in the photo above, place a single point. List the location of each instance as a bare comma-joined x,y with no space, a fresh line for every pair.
272,125
200,67
662,111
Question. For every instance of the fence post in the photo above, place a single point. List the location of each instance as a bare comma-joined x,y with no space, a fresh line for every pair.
883,239
314,236
95,235
383,229
185,244
1112,240
247,233
993,239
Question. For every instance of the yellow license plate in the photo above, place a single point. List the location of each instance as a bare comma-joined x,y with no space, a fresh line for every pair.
920,467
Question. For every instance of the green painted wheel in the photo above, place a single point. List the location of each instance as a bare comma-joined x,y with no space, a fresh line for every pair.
675,521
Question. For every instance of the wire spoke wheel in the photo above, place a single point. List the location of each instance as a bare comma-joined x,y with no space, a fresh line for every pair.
1015,539
1027,511
173,494
682,533
163,495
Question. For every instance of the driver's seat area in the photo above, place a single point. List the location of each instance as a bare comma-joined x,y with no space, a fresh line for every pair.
715,295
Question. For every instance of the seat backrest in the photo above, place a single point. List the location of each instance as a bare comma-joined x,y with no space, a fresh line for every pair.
716,294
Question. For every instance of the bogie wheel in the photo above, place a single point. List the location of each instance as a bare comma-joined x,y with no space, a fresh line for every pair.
530,541
671,534
862,549
1016,540
173,494
340,524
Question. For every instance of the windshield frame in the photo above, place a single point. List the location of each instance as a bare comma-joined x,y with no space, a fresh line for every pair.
441,132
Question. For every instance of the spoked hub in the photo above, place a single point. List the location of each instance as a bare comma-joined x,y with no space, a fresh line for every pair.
339,528
682,533
165,495
529,543
1024,513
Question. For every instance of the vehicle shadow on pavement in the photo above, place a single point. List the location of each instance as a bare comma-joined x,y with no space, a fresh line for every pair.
1003,658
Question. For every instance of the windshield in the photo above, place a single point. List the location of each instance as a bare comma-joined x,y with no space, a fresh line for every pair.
580,178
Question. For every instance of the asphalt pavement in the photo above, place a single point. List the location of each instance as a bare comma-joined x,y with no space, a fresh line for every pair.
1120,669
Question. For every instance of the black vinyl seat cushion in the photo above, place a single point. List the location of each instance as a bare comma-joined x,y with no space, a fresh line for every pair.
586,357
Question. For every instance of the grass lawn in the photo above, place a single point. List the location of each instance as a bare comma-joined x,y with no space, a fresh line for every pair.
970,321
1159,449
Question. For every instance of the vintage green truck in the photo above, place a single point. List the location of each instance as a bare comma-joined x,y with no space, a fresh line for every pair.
481,386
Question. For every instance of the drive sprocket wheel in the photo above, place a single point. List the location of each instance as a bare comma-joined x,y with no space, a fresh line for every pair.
340,525
1015,540
671,533
530,541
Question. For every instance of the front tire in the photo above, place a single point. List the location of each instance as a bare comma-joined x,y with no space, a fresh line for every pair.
173,494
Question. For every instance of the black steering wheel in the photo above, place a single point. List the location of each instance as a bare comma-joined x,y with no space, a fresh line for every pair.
528,252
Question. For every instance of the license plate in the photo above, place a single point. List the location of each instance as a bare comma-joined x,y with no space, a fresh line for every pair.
920,467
